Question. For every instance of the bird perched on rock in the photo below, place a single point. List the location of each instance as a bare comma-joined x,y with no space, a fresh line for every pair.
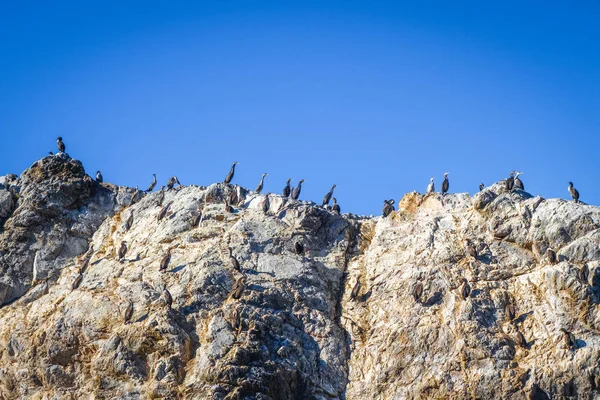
355,289
328,196
228,206
122,250
287,189
172,181
418,291
164,211
152,185
266,204
471,249
445,184
161,196
238,287
568,338
233,261
574,193
99,177
481,186
510,181
229,176
164,262
197,219
136,196
129,221
520,339
77,281
232,197
584,273
335,207
259,188
60,144
167,297
518,183
299,248
430,187
296,191
551,255
510,311
465,289
128,312
241,195
388,207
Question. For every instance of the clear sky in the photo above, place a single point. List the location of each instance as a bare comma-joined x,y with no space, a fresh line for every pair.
374,96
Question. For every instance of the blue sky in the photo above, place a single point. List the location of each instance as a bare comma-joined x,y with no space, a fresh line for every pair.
374,96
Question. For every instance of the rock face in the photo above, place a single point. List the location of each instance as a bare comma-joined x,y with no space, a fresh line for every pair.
449,297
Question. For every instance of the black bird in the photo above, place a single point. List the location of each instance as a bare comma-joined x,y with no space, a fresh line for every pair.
296,191
445,184
229,176
164,262
355,289
568,338
161,196
233,261
128,312
471,249
266,204
418,291
335,207
465,289
172,181
510,181
299,248
574,192
99,177
388,207
232,198
167,297
61,145
122,250
153,184
77,281
164,211
481,186
259,188
518,183
238,287
328,197
197,219
551,254
584,273
510,311
129,221
287,190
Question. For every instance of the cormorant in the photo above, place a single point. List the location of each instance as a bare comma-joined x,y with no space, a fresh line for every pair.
574,192
99,177
229,176
388,207
520,339
232,197
259,188
471,249
551,254
418,291
296,191
299,248
517,182
129,221
355,289
445,184
510,311
584,273
328,197
568,338
161,196
238,287
135,196
128,312
122,250
465,289
266,204
481,186
197,219
61,145
510,181
167,297
152,185
287,190
172,181
77,281
430,187
164,262
335,207
164,211
233,261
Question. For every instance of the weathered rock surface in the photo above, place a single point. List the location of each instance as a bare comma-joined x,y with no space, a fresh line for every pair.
374,308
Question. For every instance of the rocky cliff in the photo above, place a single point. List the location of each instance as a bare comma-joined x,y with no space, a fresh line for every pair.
110,293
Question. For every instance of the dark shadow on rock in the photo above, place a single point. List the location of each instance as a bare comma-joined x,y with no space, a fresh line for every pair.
437,298
178,268
521,318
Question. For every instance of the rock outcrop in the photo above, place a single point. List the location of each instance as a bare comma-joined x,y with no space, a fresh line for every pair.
448,297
